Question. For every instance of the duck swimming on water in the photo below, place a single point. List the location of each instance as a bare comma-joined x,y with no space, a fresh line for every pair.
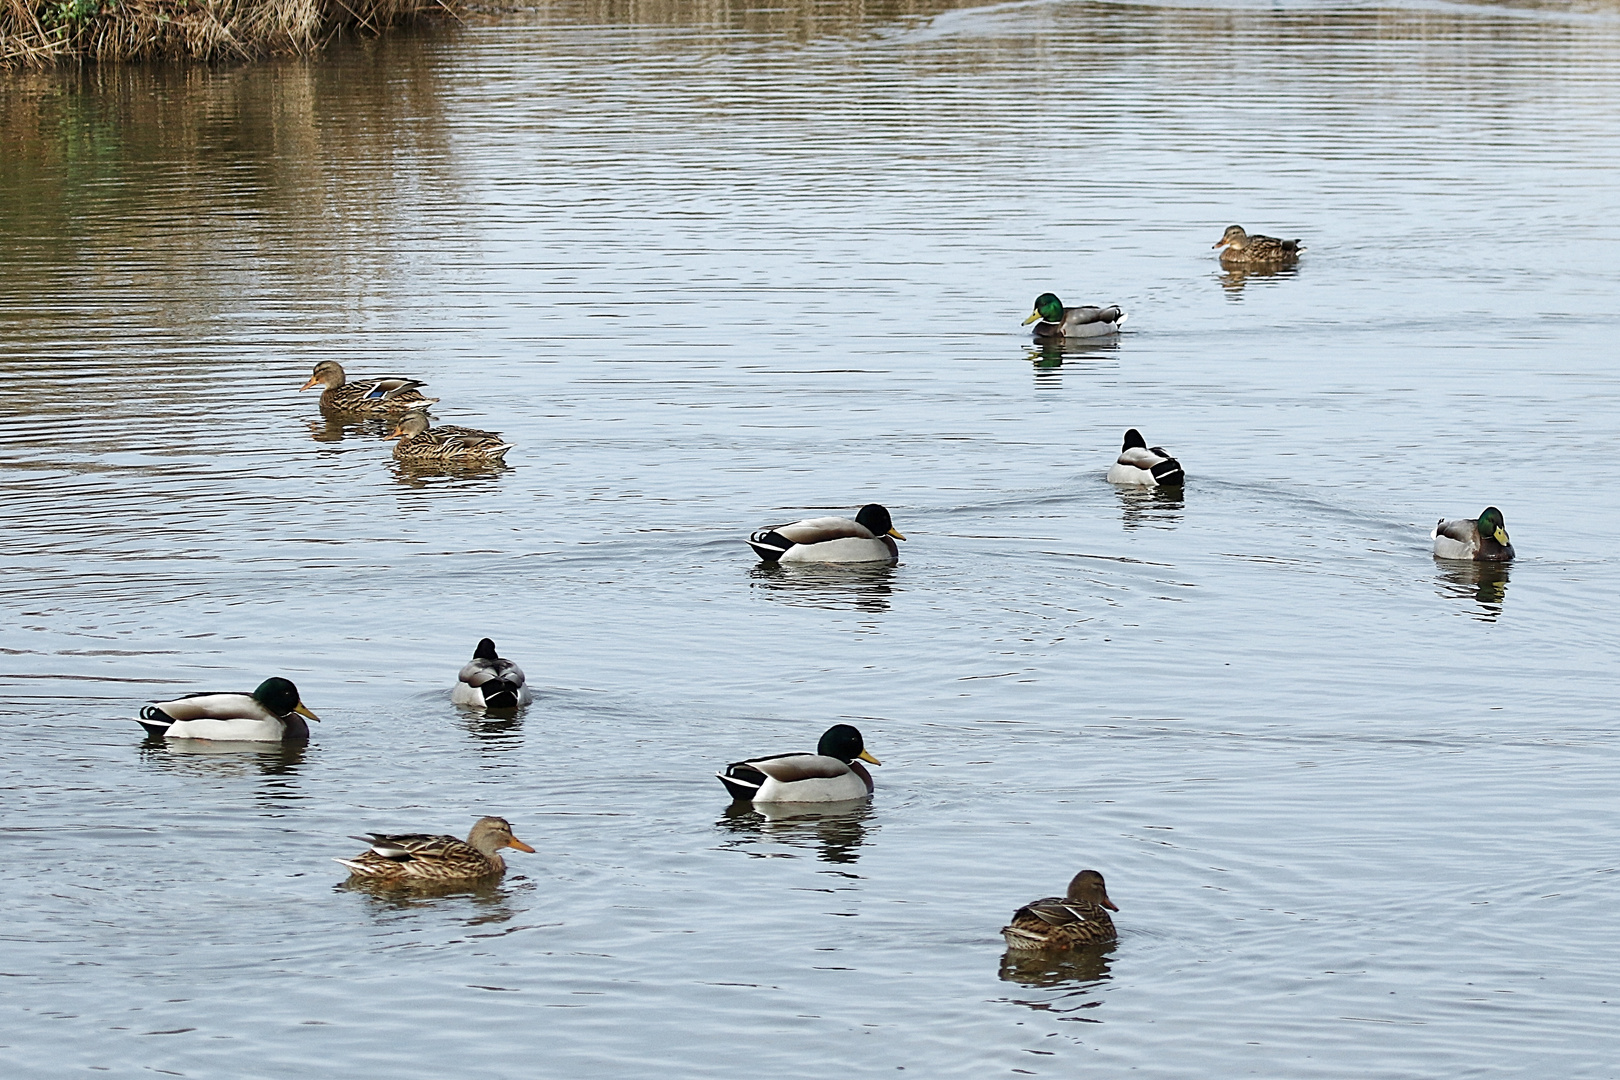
1144,465
1064,922
866,538
1245,250
832,774
271,713
366,394
490,682
424,859
1482,539
1059,322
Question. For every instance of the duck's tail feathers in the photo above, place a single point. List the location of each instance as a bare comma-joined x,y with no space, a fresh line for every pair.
769,544
500,694
742,781
1168,472
154,720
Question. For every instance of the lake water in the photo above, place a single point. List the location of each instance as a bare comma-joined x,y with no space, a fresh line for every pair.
710,269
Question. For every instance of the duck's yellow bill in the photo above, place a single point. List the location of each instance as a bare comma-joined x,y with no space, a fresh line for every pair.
520,845
1031,319
301,710
1501,537
395,434
867,756
309,384
896,534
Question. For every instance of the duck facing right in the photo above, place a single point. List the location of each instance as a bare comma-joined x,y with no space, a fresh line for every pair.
1482,539
1064,922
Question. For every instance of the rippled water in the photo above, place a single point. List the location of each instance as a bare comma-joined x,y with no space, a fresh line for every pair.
712,269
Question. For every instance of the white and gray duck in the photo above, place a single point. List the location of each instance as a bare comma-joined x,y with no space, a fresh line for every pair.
1482,539
271,713
1144,465
868,537
1054,322
488,681
833,773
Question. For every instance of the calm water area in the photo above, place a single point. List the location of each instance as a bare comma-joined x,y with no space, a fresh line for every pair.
710,268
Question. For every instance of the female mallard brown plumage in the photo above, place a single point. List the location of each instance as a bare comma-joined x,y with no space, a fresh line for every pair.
370,394
1064,922
1484,540
1245,250
865,538
1058,322
422,443
422,859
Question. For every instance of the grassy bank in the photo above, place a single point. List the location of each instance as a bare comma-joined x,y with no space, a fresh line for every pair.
37,33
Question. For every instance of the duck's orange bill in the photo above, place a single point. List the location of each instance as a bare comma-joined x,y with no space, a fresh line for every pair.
309,384
896,534
520,845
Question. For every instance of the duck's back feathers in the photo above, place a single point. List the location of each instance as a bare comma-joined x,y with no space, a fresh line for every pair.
488,681
1144,465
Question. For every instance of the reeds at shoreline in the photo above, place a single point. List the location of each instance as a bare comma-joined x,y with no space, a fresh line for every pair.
42,33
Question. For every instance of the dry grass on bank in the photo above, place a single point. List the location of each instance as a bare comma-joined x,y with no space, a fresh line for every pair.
39,33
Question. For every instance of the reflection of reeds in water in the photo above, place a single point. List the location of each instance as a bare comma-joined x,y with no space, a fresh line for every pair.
1233,278
1076,968
837,586
1150,508
38,33
1483,582
837,829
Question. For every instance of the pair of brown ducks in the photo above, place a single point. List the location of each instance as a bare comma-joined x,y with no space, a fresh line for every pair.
394,395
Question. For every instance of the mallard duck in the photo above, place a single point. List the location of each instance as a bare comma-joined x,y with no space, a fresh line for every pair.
272,713
1149,466
371,394
832,774
831,539
422,443
489,682
1484,540
422,859
1242,248
1064,922
1057,321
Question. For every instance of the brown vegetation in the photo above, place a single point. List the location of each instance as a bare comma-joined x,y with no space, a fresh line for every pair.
37,33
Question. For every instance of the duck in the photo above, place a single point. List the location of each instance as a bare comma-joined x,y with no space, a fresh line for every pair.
422,443
1148,466
1241,248
1057,321
271,713
1481,540
370,394
832,774
866,538
489,682
1064,922
424,859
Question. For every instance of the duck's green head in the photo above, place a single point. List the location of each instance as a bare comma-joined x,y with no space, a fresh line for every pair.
280,696
486,650
411,425
1491,524
1048,308
877,519
844,742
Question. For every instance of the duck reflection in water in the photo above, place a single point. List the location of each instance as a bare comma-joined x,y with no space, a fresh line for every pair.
1150,508
1233,278
214,756
424,475
834,586
837,829
335,427
495,729
1483,582
1074,967
490,902
1048,356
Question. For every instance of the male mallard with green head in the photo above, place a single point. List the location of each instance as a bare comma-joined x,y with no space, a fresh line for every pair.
1057,321
1245,250
367,394
424,859
420,443
490,681
1147,466
832,774
271,713
1064,922
866,538
1484,539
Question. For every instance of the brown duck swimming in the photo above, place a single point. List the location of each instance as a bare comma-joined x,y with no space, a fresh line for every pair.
367,394
1245,250
421,443
1064,922
423,859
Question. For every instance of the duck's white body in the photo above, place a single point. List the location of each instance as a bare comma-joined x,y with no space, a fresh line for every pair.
1145,466
809,778
222,717
824,540
485,683
1083,322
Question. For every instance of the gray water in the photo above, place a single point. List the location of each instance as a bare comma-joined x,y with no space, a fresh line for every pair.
712,269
